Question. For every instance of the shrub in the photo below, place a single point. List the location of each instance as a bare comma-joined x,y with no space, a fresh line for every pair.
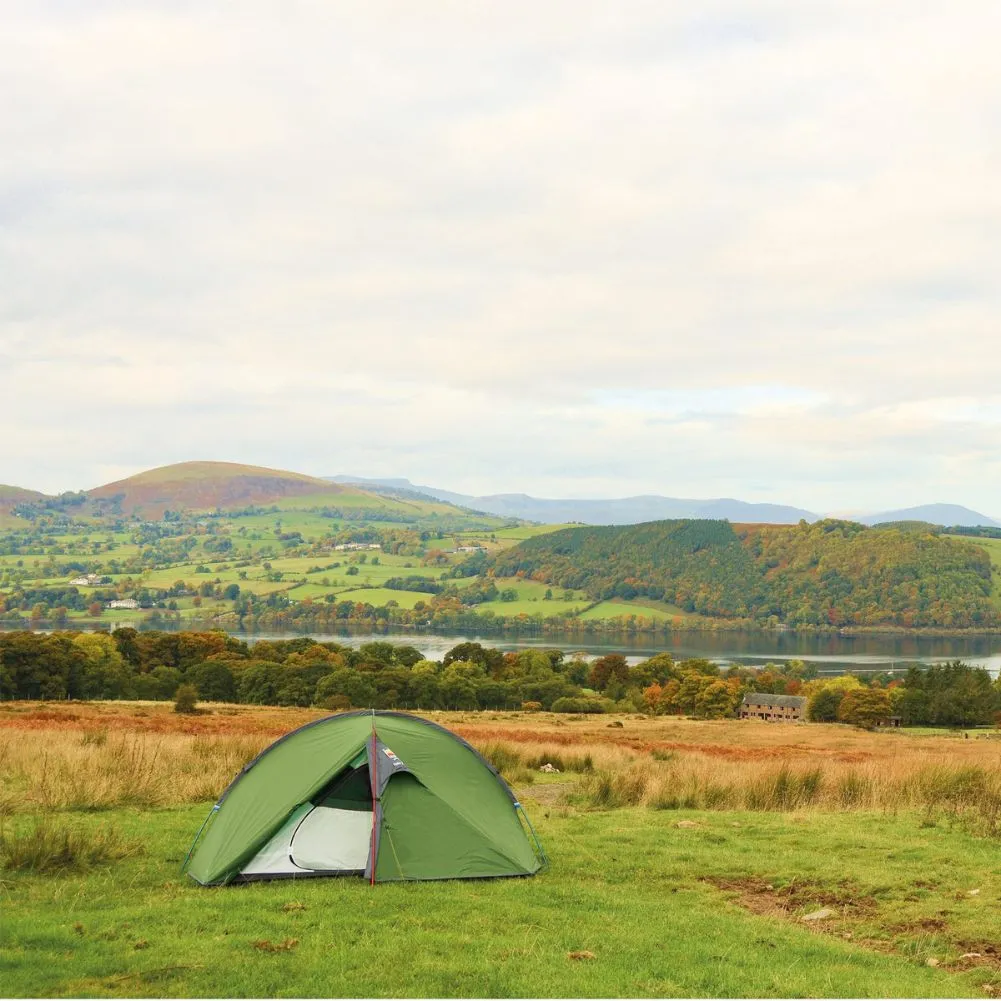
50,846
504,759
608,790
578,705
337,703
531,707
186,699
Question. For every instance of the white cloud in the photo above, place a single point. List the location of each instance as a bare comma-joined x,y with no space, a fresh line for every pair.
744,248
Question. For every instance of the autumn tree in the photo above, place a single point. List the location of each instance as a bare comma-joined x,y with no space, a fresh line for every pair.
864,707
715,700
604,669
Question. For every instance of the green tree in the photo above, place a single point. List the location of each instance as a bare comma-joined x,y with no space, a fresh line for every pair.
104,673
716,700
823,705
214,681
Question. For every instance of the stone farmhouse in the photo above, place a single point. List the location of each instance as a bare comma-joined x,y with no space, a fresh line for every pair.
760,705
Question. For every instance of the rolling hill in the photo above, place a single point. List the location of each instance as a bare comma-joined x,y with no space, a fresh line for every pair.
829,573
9,496
206,486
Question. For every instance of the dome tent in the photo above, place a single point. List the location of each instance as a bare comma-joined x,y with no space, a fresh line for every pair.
382,794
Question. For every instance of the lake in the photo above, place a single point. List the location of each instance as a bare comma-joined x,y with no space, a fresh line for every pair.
832,654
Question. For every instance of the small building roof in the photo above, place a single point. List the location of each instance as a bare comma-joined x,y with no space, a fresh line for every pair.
766,699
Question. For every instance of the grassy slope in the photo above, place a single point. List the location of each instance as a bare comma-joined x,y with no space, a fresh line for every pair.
15,495
651,609
206,485
628,886
710,909
9,496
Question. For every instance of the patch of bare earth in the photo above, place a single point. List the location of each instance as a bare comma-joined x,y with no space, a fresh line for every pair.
849,910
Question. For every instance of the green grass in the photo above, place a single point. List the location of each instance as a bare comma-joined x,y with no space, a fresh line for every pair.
650,609
378,596
658,906
531,599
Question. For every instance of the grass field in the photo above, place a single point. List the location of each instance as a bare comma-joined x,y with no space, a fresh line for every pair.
531,599
648,898
651,609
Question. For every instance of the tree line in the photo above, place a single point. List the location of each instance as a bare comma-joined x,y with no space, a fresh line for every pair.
128,664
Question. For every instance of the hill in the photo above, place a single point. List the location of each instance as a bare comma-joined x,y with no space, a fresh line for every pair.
936,514
206,486
620,511
9,496
828,573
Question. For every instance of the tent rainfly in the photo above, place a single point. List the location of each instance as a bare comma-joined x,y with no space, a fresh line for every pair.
386,795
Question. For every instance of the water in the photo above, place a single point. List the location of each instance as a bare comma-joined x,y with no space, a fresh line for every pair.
831,653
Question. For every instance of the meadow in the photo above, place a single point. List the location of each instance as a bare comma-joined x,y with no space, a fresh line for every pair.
687,858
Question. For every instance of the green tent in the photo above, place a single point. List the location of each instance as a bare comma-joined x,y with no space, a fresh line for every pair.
386,795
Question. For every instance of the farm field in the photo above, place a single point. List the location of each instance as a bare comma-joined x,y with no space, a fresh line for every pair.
531,599
651,609
256,564
700,895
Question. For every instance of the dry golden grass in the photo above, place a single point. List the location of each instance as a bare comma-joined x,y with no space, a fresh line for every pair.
102,755
72,770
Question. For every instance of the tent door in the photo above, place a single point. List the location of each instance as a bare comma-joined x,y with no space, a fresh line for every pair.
332,835
332,840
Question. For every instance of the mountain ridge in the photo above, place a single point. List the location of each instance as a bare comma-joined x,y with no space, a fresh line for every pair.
935,514
656,507
614,511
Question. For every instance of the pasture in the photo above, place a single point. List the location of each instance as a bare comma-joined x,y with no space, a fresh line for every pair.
686,858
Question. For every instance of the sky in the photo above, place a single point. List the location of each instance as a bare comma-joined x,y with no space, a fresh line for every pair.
747,249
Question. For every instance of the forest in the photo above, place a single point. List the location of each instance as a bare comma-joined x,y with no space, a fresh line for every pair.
829,573
213,666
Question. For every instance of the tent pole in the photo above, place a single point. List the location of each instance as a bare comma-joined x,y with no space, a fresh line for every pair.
540,851
187,858
373,771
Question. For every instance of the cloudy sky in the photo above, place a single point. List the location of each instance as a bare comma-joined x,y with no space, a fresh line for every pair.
745,249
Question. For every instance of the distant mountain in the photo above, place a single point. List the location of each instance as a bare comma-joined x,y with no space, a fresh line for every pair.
206,485
623,511
936,514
